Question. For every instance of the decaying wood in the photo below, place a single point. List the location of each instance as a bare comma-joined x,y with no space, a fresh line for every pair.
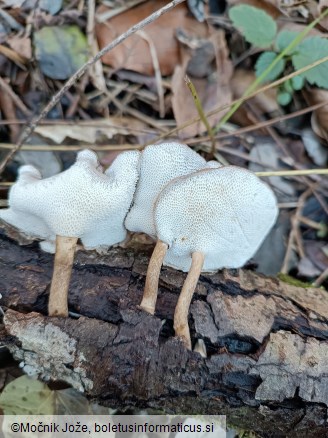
267,341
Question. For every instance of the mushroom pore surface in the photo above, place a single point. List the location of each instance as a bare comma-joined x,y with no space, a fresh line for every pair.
158,165
224,213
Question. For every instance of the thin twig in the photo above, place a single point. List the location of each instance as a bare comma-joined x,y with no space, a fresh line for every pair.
293,235
313,224
72,147
77,75
301,172
322,277
157,70
201,112
19,104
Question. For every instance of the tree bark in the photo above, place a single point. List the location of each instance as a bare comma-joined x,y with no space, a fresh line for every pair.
266,341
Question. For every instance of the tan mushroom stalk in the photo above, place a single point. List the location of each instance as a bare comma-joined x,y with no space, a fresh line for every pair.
81,202
211,219
158,165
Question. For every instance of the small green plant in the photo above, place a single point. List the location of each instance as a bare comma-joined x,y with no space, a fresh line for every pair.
260,29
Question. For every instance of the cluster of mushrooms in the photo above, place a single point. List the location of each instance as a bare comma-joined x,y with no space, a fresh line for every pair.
204,216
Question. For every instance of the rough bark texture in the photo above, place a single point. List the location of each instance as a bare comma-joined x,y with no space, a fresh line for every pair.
266,341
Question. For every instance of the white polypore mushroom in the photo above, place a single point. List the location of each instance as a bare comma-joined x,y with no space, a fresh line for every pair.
158,165
208,220
81,202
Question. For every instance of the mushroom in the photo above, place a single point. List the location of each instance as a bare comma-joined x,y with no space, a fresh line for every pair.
205,221
158,165
81,202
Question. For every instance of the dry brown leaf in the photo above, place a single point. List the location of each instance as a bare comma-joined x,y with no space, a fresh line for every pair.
296,27
134,54
84,131
21,45
319,119
265,102
323,4
212,91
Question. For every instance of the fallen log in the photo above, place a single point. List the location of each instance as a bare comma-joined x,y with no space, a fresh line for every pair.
266,341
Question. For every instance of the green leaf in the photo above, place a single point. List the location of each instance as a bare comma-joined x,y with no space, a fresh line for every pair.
60,50
256,25
26,396
284,98
310,50
264,61
287,86
284,38
297,82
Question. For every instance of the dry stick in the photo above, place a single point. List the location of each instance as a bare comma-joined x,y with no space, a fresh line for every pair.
293,235
71,147
149,298
95,71
301,172
157,70
58,301
313,224
182,308
76,76
321,200
318,282
201,112
20,105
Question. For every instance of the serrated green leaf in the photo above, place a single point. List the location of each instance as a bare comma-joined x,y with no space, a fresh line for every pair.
284,38
256,25
284,98
60,51
297,82
310,50
263,62
26,396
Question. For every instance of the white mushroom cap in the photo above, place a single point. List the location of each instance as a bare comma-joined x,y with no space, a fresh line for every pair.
224,213
158,165
79,202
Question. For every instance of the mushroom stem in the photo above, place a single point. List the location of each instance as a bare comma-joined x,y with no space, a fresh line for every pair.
65,248
149,298
182,308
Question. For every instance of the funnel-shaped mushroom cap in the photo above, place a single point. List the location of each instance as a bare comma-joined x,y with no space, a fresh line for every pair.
79,202
158,165
224,213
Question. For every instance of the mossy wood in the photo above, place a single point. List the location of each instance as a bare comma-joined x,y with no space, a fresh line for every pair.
267,341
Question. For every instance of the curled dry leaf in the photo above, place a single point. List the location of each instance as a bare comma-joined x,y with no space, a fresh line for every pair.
134,54
212,91
319,118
